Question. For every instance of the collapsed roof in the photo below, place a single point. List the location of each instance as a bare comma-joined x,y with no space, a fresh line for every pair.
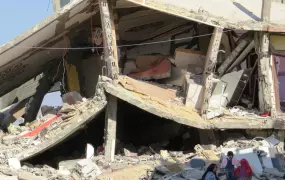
237,14
21,59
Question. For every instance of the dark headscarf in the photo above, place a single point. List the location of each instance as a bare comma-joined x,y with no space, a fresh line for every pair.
210,169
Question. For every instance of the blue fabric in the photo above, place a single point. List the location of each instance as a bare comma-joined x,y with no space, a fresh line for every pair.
230,175
230,165
210,176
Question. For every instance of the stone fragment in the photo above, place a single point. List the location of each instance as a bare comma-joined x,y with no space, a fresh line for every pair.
164,154
29,176
87,168
89,151
177,77
14,163
129,67
9,139
184,57
3,177
72,98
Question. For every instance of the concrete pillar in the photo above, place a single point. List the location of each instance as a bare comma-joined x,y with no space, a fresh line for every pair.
211,61
110,128
109,38
111,60
266,94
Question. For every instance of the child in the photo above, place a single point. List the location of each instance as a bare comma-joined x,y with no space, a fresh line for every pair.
229,164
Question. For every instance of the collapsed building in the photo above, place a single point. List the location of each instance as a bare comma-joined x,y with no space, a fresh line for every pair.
182,72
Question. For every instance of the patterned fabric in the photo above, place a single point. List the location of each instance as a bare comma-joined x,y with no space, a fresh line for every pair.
210,176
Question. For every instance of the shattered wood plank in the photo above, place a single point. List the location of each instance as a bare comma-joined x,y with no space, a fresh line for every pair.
231,58
110,128
144,88
242,56
178,113
90,110
109,38
211,61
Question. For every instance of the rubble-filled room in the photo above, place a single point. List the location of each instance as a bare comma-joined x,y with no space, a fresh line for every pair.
170,52
162,59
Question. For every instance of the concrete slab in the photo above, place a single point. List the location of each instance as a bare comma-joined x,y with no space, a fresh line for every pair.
161,104
267,162
20,62
237,14
90,110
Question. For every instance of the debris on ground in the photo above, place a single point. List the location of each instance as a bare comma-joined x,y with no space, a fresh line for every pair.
149,163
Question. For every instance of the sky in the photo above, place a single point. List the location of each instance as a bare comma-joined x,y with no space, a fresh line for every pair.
17,16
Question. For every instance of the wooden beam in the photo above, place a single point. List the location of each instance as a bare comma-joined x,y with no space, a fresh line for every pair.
211,61
242,56
111,59
109,38
235,53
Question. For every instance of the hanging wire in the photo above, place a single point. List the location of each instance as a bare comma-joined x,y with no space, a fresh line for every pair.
127,45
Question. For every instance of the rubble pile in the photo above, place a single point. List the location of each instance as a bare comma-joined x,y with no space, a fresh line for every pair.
155,163
20,138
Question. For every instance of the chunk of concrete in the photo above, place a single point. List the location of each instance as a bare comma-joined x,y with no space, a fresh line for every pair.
274,172
14,163
225,90
145,62
272,140
3,177
160,71
72,98
177,77
9,139
193,91
191,173
87,168
29,176
89,151
129,67
70,164
267,162
184,57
